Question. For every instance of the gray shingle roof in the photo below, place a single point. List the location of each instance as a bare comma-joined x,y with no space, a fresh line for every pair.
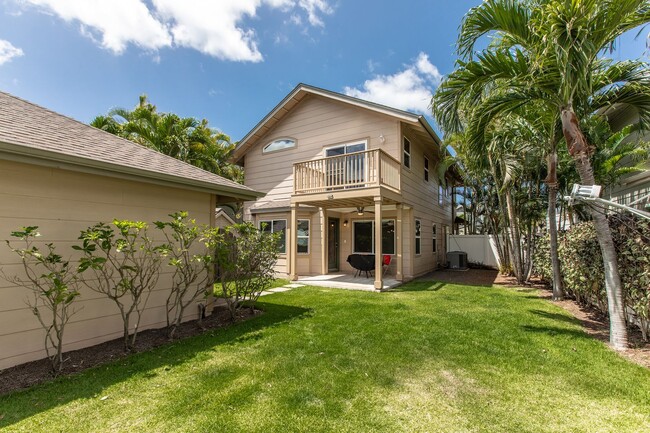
38,129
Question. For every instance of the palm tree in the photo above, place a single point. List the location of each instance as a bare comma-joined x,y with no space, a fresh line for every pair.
552,51
184,138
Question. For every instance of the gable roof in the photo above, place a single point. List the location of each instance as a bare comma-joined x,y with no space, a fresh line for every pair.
33,134
419,122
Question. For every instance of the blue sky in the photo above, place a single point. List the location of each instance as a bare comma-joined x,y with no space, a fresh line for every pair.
229,61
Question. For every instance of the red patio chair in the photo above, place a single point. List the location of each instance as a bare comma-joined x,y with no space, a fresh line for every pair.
386,262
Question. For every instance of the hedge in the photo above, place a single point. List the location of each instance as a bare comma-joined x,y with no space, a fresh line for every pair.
582,266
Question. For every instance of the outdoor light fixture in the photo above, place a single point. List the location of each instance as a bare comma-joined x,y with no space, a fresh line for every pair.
591,194
360,210
585,191
345,223
382,139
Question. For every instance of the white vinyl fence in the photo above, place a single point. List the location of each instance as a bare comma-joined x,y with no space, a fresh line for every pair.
479,248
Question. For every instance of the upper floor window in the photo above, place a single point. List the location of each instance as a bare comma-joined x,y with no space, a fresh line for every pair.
343,149
282,143
407,153
426,169
440,194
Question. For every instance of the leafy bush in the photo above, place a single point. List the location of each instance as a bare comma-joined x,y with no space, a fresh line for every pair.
126,266
190,250
54,286
582,265
245,257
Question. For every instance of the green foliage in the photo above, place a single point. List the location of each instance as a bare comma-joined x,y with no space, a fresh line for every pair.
190,251
54,286
245,257
582,265
184,138
126,266
431,357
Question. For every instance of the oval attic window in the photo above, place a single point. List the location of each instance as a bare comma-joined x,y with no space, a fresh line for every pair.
282,143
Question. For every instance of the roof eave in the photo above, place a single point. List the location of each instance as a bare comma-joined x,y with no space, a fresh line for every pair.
31,155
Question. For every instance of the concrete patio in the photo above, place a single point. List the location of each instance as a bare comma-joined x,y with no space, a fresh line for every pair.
347,281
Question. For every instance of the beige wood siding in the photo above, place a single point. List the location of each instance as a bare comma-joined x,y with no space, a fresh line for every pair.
62,203
423,197
315,123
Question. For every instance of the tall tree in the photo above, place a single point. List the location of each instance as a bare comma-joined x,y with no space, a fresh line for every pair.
184,138
553,51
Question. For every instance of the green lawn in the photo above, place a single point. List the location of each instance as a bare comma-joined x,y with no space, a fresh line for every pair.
431,357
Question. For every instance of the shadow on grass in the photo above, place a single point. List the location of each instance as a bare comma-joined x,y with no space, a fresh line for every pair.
22,404
419,286
553,331
556,316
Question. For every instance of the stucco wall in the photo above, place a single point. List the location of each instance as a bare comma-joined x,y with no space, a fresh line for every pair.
62,203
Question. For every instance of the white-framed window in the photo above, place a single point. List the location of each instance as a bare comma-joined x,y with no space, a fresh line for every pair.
426,169
302,234
418,237
440,194
407,153
434,230
348,171
276,226
363,237
342,149
279,144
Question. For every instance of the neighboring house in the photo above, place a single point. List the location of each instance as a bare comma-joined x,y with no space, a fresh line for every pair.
63,176
634,188
222,219
340,173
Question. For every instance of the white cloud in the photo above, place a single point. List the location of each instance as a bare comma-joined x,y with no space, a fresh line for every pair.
213,27
314,9
117,23
410,89
8,51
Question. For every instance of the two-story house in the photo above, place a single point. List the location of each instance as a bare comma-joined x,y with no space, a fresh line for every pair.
346,176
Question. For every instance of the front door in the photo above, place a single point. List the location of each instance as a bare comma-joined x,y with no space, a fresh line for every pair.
333,244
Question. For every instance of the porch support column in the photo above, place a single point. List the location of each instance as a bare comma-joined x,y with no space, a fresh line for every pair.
323,241
379,282
293,243
399,266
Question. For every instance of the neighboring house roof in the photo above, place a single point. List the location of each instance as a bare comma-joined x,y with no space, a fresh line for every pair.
222,213
33,134
419,122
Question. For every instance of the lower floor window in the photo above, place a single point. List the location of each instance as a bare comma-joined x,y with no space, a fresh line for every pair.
302,233
276,226
418,237
364,237
435,238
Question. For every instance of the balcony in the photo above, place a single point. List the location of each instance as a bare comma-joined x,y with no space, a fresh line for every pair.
349,172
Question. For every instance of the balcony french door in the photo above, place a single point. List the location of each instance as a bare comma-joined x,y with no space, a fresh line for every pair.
349,169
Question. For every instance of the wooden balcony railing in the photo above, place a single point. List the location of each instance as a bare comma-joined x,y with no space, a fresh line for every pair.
365,169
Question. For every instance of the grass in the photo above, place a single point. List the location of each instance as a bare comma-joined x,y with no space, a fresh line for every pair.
430,357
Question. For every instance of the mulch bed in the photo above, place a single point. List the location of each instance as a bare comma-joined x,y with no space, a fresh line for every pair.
35,372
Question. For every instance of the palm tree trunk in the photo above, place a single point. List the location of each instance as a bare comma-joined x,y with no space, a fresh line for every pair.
580,151
551,181
515,238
